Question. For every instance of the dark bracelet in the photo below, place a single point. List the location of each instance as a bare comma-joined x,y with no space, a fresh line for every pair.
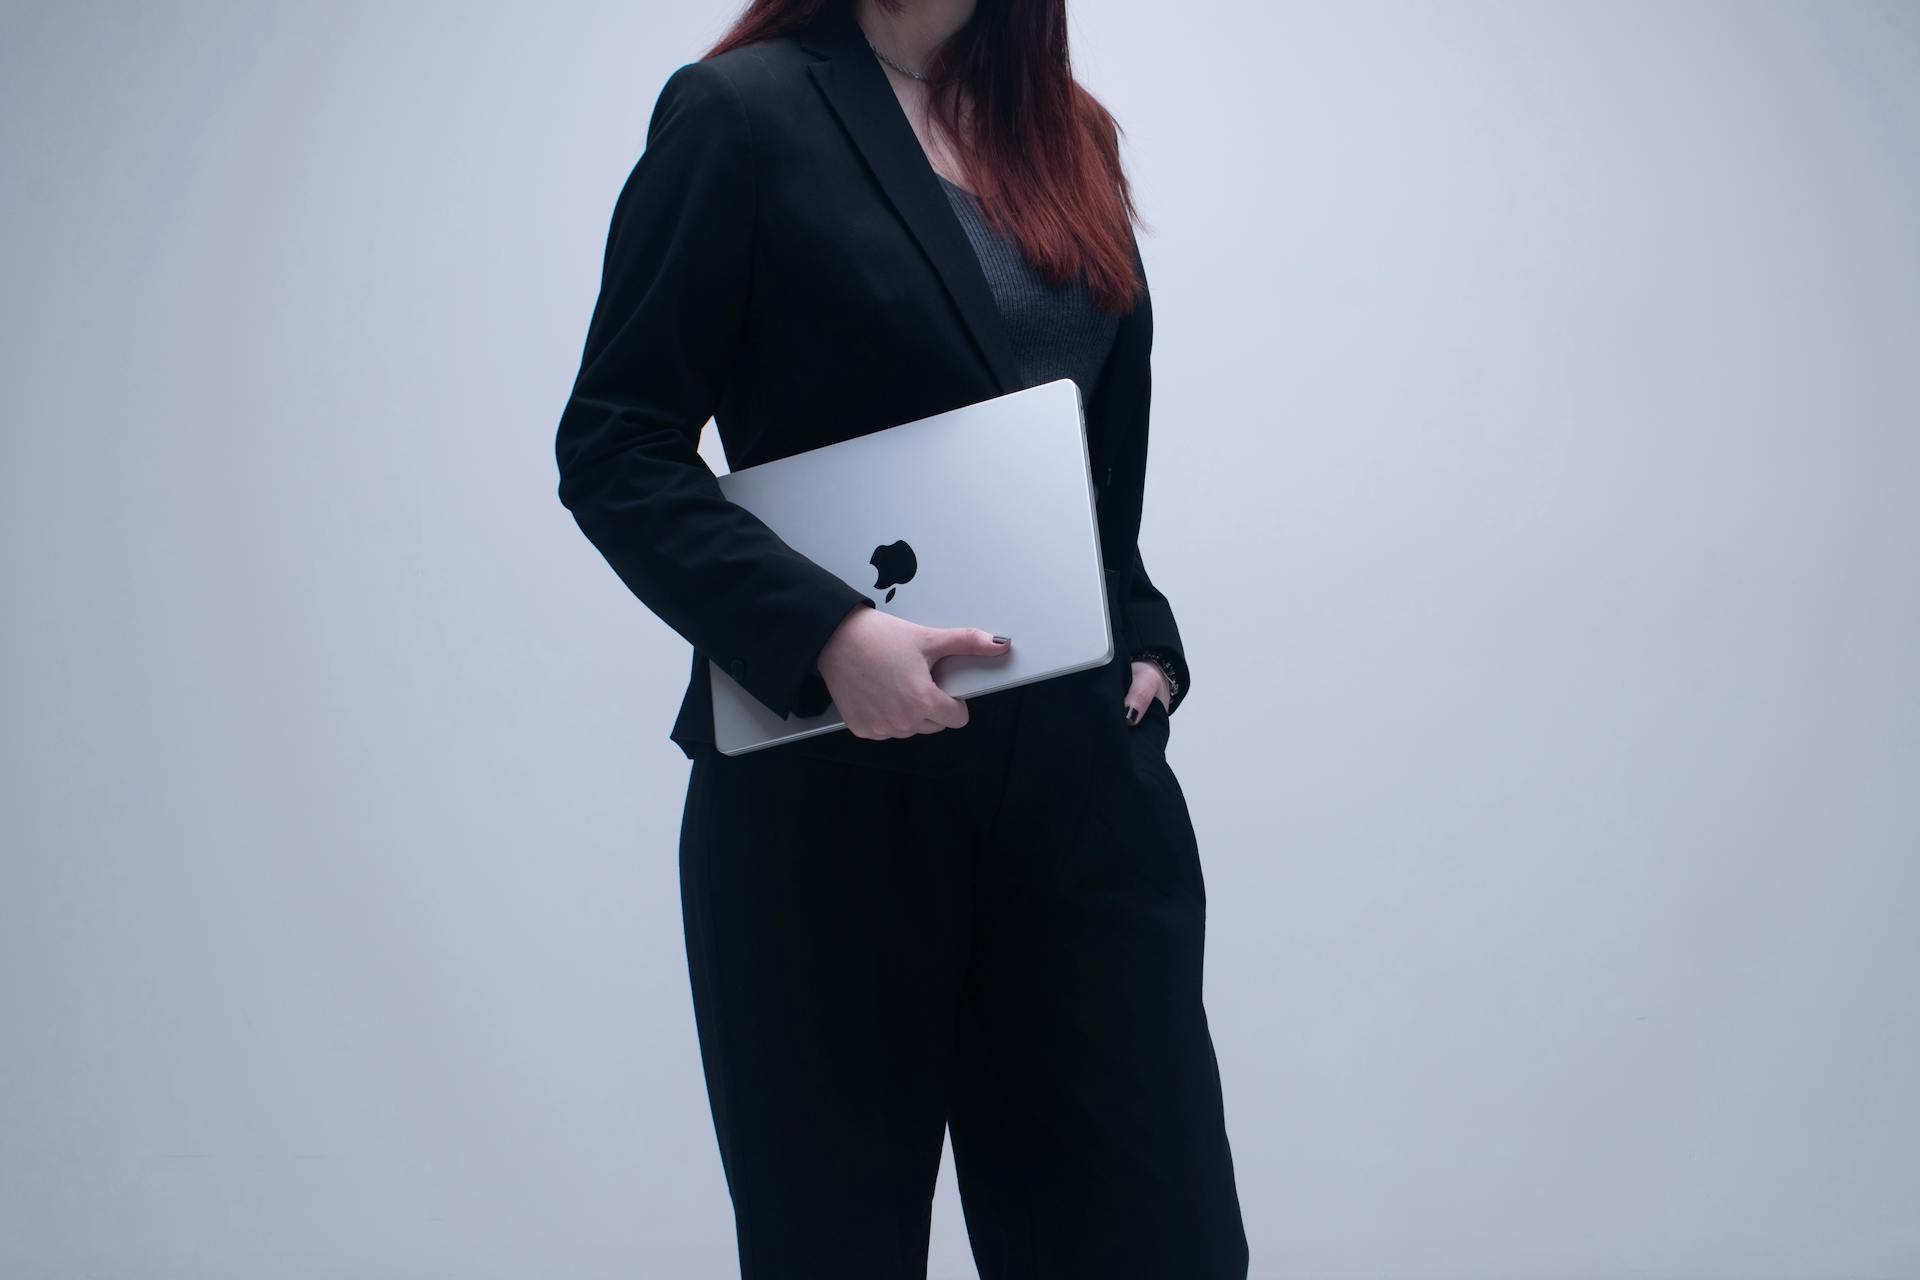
1165,663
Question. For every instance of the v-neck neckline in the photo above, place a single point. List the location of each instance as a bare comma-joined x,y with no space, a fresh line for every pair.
949,182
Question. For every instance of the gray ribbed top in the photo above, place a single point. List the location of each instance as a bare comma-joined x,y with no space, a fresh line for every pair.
1056,332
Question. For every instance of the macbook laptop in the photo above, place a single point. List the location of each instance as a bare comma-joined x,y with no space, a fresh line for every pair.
982,516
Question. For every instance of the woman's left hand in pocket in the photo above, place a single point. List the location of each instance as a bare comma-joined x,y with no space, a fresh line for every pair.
1149,682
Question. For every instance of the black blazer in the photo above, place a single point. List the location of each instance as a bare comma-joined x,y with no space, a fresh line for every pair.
783,260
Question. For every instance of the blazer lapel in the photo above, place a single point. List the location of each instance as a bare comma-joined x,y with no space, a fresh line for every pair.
856,87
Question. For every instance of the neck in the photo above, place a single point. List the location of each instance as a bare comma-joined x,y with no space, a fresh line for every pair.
912,36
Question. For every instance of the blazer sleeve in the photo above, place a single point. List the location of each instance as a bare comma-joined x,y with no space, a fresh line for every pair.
666,328
1147,612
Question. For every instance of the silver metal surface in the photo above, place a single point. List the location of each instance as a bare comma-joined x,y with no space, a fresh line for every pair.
996,501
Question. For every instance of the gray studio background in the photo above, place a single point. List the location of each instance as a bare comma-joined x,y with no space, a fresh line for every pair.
1534,473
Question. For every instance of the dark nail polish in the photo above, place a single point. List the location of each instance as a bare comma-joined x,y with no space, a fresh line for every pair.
1002,639
1131,715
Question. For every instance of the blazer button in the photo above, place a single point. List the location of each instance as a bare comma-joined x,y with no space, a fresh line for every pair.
737,669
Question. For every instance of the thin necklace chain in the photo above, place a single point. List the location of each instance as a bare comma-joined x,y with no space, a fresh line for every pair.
905,71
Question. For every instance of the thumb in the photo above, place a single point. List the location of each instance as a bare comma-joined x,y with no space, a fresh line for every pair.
945,641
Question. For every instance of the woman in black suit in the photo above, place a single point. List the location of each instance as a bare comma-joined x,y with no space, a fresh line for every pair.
983,916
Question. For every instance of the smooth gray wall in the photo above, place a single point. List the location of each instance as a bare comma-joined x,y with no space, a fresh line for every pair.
1535,474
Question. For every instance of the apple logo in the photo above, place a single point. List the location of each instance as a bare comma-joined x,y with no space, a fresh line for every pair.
894,565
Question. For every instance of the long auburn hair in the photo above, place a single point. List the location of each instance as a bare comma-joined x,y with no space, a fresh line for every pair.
1043,154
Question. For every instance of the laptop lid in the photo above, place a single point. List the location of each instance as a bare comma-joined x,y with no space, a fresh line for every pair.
981,516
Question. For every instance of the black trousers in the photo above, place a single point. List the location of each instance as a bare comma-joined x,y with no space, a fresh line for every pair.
1009,948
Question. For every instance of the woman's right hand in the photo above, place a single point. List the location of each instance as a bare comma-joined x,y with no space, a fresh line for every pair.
879,669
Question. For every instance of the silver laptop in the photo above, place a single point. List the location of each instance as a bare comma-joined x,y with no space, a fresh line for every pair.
982,516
